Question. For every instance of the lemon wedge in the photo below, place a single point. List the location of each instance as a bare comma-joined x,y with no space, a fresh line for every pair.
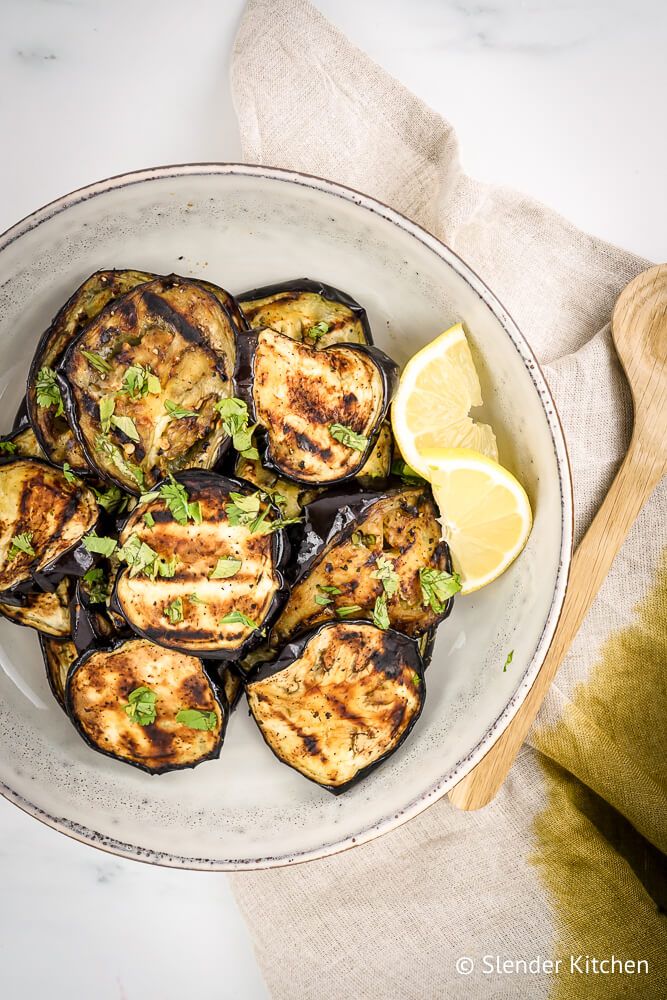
484,512
438,387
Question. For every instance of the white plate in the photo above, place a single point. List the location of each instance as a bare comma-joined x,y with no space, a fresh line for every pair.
241,227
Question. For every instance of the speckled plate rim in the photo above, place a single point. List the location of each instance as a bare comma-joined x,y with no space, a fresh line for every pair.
474,755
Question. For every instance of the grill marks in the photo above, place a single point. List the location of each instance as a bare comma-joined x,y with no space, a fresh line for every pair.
403,528
254,591
344,701
36,498
98,690
181,332
46,612
86,303
299,392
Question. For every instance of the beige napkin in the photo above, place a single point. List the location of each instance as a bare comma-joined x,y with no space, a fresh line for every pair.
567,860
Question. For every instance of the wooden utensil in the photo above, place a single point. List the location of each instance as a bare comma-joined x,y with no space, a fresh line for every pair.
639,331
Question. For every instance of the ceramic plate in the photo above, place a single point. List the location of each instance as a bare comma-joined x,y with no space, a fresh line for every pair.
242,227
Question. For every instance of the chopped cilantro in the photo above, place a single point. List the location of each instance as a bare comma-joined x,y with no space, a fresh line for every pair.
97,361
193,718
388,576
178,412
174,610
141,708
238,618
48,392
21,543
437,587
100,544
225,568
138,381
107,407
317,330
8,447
178,503
347,610
96,584
510,657
348,437
126,425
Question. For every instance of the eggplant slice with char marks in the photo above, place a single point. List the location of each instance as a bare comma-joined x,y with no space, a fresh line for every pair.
339,700
321,411
292,497
44,611
42,517
308,311
227,301
44,402
59,655
145,705
218,583
143,379
364,547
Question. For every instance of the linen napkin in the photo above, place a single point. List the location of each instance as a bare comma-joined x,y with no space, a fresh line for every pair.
566,865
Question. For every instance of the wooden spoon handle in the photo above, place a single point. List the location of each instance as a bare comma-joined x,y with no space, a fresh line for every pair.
634,483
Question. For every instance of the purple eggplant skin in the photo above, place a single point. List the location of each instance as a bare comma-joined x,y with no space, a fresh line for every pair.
281,550
62,651
317,288
397,642
89,623
217,695
244,380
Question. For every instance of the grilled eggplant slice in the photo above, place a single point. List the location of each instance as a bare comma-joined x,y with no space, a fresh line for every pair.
320,411
46,415
226,583
232,685
291,497
46,612
227,301
339,700
350,542
59,655
136,428
42,517
20,443
145,705
308,311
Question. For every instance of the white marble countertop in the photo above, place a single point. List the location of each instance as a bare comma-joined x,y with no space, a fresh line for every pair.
561,98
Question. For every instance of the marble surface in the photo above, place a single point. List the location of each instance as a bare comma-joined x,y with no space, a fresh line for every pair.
561,98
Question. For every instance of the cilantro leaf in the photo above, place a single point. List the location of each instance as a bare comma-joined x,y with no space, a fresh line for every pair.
69,475
178,503
348,437
21,543
97,362
194,599
177,412
174,610
510,657
141,558
193,718
437,587
347,610
9,447
380,613
387,575
243,508
141,707
106,407
138,381
416,680
126,425
238,618
113,500
148,519
96,584
108,449
323,597
235,417
48,392
100,544
225,568
317,330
